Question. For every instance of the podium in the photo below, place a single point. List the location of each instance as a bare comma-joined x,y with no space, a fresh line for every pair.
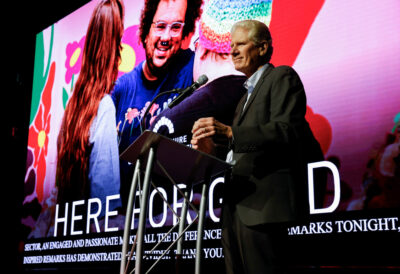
156,154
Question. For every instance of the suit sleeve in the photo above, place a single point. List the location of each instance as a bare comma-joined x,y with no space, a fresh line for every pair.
282,119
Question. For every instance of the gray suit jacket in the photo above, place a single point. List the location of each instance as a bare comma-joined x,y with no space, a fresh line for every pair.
272,144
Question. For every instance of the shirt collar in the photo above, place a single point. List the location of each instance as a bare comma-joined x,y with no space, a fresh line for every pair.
253,80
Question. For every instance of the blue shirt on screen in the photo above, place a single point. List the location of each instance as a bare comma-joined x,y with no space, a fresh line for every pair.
134,92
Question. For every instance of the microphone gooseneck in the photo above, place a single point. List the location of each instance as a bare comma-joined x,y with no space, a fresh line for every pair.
189,90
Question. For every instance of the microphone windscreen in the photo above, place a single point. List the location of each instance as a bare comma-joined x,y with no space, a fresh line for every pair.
202,80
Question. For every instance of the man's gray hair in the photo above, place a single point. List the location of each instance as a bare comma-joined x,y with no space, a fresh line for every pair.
258,33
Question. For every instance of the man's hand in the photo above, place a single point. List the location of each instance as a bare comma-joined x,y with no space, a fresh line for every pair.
205,145
205,128
208,127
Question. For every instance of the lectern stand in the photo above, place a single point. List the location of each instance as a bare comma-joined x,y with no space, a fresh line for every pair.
157,154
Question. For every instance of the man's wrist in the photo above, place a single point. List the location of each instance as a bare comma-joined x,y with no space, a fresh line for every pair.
231,138
229,133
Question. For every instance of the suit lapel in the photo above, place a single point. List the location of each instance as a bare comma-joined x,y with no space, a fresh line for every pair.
239,110
253,94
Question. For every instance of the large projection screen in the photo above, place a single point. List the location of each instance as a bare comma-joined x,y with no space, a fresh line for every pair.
348,56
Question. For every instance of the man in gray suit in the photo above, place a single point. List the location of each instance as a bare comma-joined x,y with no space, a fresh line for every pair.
271,144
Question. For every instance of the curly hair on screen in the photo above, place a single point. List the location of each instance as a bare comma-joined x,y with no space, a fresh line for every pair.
193,12
100,60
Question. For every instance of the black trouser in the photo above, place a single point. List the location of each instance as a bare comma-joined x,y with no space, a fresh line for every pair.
253,249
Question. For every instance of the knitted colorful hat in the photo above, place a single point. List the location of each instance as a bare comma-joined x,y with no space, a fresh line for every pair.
219,16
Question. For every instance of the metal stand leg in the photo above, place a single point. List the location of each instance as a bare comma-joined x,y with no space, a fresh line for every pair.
128,217
200,227
143,211
182,222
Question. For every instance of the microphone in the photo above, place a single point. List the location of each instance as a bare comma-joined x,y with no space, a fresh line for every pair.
189,90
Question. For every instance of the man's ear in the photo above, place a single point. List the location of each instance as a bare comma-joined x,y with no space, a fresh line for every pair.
263,48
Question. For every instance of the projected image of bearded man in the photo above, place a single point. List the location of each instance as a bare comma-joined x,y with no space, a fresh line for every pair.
165,28
165,37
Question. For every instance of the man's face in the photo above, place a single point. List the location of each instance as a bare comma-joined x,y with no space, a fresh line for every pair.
245,54
161,47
